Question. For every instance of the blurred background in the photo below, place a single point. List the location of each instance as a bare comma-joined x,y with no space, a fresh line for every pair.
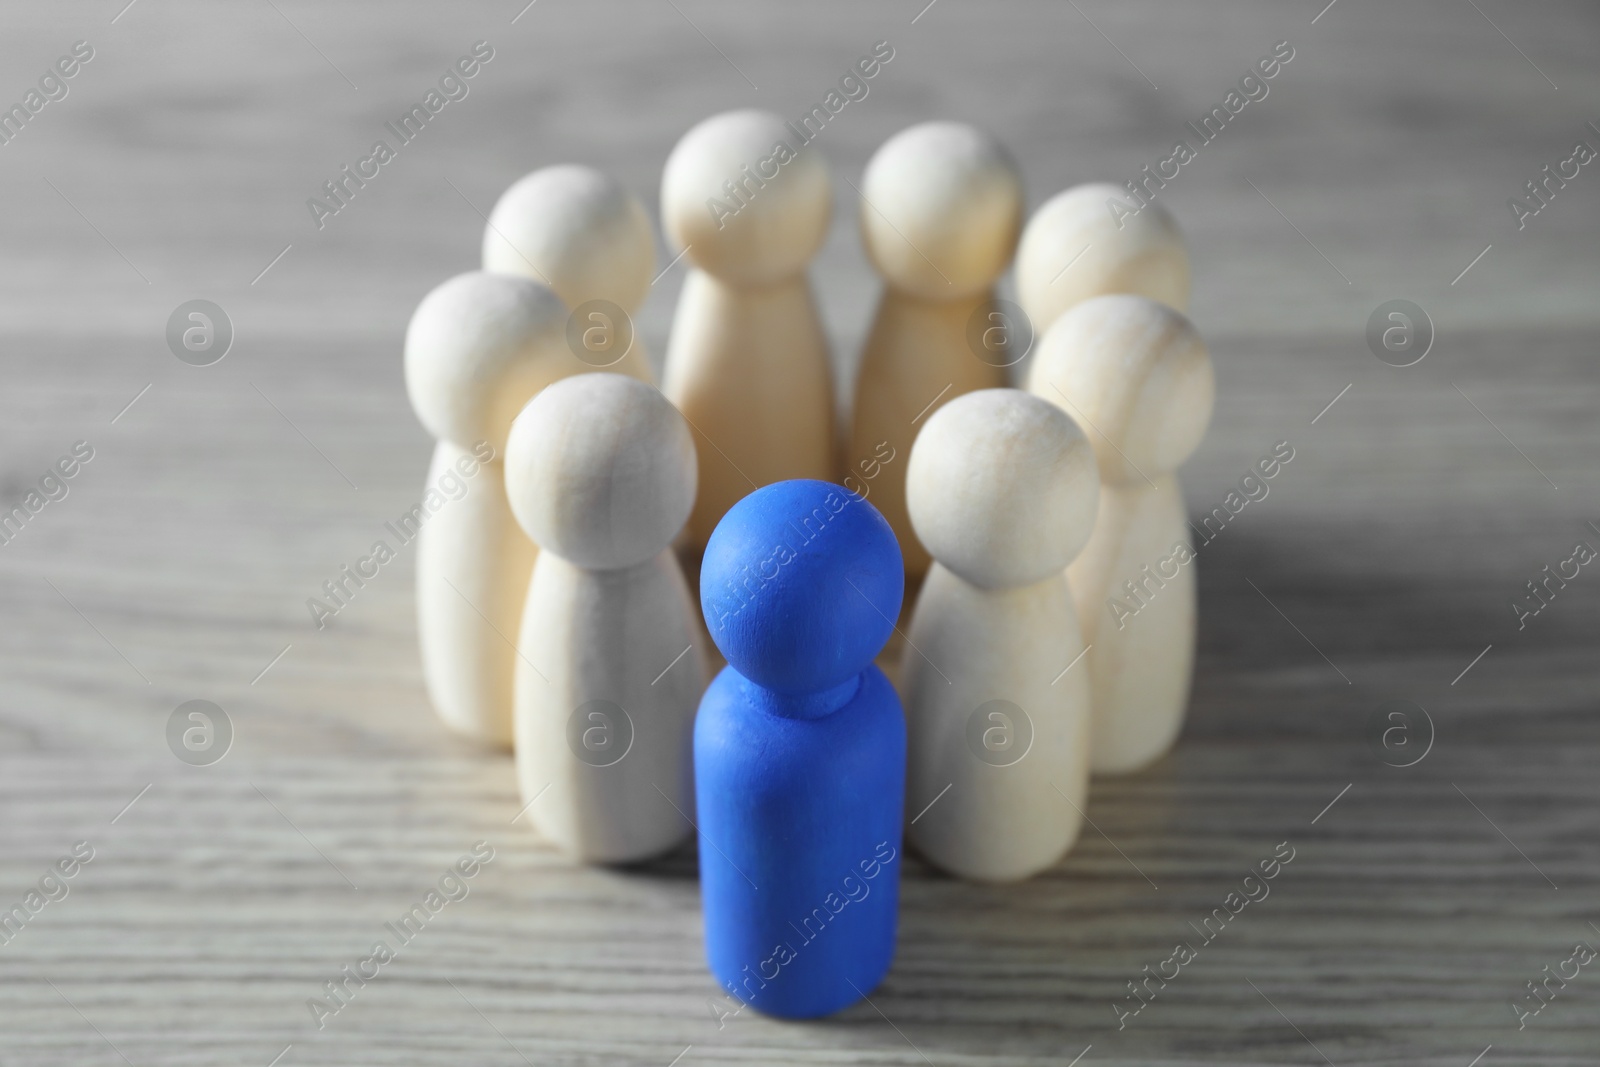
1384,565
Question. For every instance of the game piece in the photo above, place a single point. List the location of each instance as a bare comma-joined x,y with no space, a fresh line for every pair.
941,205
1002,488
1136,376
478,346
600,472
582,233
747,360
800,750
1076,247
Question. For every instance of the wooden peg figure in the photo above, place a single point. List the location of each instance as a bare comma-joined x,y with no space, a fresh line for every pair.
1002,488
747,360
478,346
1137,378
941,205
800,750
600,471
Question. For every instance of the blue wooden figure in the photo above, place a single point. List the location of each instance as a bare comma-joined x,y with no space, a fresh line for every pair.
800,750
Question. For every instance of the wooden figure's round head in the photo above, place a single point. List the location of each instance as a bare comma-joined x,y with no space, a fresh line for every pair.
941,205
576,229
1136,375
600,470
746,198
478,346
800,585
1087,241
1002,488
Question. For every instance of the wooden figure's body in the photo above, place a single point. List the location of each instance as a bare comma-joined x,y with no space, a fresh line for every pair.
597,641
809,807
916,358
748,367
1094,239
600,472
800,751
747,359
1146,619
473,564
1002,488
1003,649
1137,377
941,209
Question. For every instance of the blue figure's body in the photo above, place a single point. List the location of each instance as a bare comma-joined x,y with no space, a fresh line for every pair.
800,749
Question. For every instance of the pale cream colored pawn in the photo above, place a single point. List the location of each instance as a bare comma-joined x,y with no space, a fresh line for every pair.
747,361
582,233
600,471
478,346
1137,377
1075,247
941,204
1002,489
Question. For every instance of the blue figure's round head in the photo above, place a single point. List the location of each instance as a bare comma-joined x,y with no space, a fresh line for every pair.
801,585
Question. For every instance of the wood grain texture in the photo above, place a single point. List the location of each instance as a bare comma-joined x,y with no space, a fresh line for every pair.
1384,560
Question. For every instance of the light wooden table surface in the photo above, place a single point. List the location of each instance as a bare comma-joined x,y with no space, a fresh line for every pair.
1383,563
